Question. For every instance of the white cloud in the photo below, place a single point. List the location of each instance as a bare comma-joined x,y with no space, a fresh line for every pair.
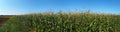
10,12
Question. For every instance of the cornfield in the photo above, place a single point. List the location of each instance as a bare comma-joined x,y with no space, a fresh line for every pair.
63,22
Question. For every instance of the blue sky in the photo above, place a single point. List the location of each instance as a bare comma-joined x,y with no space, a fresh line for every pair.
16,7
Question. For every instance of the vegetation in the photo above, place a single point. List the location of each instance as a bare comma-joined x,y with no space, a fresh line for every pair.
63,22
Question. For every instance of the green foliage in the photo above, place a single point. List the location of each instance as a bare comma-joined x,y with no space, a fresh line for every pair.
63,22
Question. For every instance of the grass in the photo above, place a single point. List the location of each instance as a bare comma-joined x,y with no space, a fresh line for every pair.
63,22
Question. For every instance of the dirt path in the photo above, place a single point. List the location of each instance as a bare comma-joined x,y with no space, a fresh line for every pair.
3,20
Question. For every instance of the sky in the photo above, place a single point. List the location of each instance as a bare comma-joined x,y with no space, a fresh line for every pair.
18,7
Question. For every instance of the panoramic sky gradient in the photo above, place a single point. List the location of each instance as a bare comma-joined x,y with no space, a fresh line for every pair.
17,7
